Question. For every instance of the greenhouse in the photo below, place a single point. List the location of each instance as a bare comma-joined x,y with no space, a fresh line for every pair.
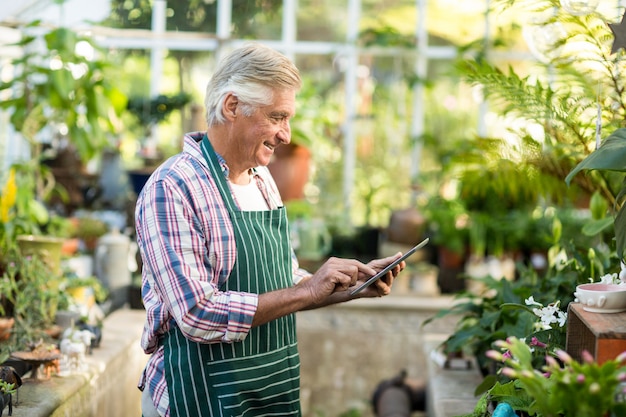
197,198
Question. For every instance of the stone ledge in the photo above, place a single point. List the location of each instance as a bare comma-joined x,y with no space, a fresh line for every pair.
415,302
108,387
450,392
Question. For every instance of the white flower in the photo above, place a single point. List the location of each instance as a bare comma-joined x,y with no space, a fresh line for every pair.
609,278
560,260
549,315
531,301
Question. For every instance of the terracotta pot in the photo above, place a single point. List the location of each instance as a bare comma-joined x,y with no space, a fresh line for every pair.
406,226
6,326
290,169
70,246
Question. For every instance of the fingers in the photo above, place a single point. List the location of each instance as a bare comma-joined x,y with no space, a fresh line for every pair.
336,275
350,268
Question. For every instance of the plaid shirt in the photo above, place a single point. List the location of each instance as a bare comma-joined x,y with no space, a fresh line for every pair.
188,251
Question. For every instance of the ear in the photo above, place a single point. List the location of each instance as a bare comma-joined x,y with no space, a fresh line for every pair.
229,109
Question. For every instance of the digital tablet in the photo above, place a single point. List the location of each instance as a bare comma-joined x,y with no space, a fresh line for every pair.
389,267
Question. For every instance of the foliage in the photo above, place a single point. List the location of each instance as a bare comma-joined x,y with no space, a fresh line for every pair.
447,220
7,388
610,156
59,86
579,92
194,15
501,309
151,111
72,281
88,227
35,297
562,386
386,35
20,211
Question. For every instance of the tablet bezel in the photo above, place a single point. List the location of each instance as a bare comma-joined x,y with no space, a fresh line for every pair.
389,267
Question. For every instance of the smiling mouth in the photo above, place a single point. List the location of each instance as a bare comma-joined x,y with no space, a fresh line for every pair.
269,146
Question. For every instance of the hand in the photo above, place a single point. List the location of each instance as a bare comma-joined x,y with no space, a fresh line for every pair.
383,286
336,275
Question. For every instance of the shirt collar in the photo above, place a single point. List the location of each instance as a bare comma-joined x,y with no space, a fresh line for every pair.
191,145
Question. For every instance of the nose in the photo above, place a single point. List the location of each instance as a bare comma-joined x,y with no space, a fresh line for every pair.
284,133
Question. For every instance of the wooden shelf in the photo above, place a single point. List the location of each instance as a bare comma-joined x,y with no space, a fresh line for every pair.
601,334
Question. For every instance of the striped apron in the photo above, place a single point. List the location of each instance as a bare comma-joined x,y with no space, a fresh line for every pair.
260,375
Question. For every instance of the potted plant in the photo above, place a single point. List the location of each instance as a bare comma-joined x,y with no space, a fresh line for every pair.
149,112
7,390
610,159
448,223
61,84
560,386
88,229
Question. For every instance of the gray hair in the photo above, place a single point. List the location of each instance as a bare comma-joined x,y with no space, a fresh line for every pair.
251,72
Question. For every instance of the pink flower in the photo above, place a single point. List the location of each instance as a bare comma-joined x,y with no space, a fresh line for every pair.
501,344
507,355
536,342
564,356
580,378
495,355
551,361
587,357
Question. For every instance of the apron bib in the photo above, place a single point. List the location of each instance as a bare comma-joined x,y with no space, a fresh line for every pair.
261,374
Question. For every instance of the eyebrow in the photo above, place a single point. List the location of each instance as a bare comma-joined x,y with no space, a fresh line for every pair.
279,113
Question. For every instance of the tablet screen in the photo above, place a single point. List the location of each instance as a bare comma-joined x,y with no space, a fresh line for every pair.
389,267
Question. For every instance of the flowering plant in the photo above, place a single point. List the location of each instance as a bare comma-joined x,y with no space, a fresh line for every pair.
561,387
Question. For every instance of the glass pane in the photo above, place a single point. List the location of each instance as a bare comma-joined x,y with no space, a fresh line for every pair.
257,19
458,22
322,20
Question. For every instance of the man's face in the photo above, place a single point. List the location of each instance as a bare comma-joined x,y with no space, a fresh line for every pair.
268,127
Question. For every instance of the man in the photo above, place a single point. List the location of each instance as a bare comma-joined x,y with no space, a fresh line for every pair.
220,281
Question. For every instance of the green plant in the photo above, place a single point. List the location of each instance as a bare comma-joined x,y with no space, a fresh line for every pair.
20,211
610,157
7,388
448,221
62,86
560,107
72,281
88,227
561,386
502,309
149,112
35,298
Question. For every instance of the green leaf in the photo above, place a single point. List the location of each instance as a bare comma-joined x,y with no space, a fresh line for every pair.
39,212
117,99
620,231
611,156
515,306
594,227
62,81
487,383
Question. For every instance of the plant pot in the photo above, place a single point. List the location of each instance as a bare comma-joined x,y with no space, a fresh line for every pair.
47,247
138,178
290,169
6,326
6,400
